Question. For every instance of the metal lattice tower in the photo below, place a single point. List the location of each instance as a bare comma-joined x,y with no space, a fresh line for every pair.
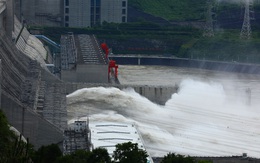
248,15
208,29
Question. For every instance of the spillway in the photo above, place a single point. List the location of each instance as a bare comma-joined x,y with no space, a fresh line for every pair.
212,114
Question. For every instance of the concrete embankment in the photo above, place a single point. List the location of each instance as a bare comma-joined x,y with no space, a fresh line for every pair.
189,63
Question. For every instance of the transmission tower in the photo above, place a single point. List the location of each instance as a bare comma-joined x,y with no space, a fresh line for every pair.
208,29
248,15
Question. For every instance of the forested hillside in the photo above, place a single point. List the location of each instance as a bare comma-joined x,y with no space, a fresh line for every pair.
184,10
172,9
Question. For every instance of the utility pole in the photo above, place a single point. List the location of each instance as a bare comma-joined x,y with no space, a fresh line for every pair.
248,15
208,29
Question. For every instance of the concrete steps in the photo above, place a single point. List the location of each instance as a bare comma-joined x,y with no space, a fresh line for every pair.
87,50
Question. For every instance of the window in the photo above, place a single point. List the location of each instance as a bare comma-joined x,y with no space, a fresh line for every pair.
92,18
92,11
123,19
97,10
66,2
123,11
123,3
98,3
66,18
66,10
66,24
97,18
92,3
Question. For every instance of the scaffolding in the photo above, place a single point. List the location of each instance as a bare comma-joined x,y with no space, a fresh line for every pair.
68,52
77,137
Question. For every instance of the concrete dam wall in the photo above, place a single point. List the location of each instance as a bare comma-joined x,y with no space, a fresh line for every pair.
33,100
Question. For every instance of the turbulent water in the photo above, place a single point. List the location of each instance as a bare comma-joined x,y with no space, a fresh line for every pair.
211,115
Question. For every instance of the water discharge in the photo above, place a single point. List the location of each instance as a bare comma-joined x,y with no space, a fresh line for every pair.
204,118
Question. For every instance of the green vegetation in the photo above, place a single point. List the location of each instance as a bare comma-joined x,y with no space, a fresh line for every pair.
177,158
226,49
205,161
98,155
6,136
173,158
177,10
183,10
12,148
46,154
129,153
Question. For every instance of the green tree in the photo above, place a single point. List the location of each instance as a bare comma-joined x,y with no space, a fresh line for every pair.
19,151
98,155
79,156
12,148
205,161
47,154
129,153
6,136
172,158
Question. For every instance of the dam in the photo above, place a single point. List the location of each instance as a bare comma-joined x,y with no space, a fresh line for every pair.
34,99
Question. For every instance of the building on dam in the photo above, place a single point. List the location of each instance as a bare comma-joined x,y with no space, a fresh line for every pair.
83,135
71,13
